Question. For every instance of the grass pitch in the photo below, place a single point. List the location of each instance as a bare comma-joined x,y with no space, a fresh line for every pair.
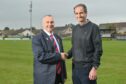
16,62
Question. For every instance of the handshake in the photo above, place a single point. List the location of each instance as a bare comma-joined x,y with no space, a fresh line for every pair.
64,56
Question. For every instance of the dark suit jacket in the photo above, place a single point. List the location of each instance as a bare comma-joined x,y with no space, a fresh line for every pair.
45,59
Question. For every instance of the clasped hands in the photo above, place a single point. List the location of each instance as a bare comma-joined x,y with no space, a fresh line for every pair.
64,56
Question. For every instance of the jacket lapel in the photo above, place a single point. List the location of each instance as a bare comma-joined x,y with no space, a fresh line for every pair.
58,40
48,42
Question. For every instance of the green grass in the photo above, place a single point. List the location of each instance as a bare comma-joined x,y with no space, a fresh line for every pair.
16,62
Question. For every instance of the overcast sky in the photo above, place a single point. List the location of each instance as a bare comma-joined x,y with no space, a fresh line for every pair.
15,13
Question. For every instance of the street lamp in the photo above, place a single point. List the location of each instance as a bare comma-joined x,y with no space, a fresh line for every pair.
30,11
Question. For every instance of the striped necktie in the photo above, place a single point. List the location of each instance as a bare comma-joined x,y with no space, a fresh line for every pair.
58,66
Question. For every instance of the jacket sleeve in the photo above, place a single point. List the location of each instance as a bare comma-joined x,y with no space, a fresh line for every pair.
69,53
97,44
44,56
61,43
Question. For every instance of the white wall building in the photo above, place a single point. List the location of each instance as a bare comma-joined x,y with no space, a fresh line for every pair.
27,33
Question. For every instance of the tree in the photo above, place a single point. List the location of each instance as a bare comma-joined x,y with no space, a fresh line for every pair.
6,28
33,28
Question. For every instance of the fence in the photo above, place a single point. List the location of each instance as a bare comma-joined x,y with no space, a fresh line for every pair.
14,38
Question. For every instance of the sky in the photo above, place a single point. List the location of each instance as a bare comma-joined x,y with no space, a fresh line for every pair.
15,13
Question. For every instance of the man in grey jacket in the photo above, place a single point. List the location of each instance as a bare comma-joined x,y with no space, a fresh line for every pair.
86,48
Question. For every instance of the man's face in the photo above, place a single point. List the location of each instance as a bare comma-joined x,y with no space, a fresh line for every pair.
48,23
80,14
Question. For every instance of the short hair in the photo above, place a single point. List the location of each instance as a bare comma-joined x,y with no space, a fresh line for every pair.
48,16
82,5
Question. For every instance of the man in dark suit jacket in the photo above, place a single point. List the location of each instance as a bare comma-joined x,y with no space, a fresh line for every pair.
48,54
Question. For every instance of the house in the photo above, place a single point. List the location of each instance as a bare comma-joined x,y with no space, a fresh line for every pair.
18,33
64,31
68,30
26,33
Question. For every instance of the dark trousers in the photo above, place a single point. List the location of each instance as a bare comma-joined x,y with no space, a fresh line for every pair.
80,75
58,79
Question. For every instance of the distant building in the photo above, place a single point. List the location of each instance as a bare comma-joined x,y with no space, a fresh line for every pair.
26,33
18,33
64,31
113,30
